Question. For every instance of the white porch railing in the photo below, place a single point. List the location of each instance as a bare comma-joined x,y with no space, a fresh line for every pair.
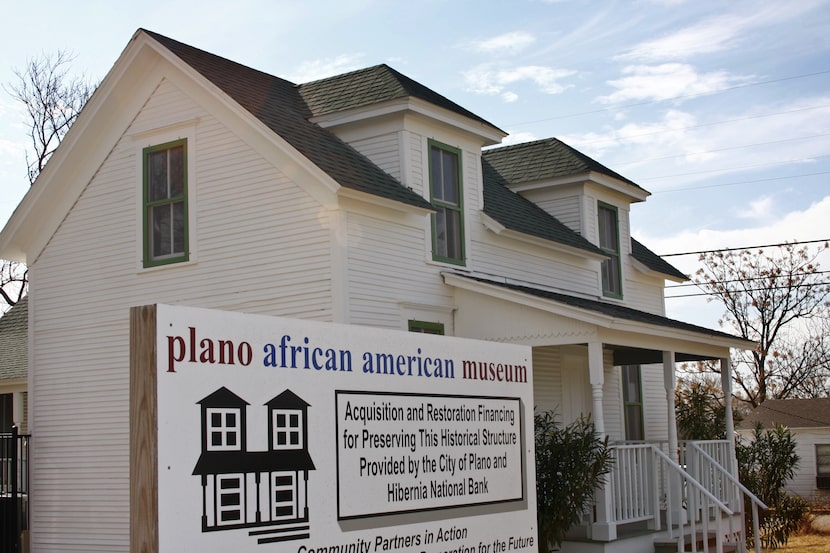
700,499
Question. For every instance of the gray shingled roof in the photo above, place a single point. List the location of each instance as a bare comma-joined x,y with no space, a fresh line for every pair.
793,413
518,213
654,261
544,159
14,341
373,85
610,309
279,105
286,109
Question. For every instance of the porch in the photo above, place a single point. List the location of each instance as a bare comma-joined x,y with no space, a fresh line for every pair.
653,503
618,365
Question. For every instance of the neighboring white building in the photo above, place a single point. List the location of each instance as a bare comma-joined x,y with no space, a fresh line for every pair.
14,348
809,422
362,199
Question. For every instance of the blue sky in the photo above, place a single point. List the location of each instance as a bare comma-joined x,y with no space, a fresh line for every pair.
720,109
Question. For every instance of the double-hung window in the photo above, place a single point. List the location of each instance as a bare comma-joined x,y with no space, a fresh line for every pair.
633,402
609,242
165,204
446,196
823,466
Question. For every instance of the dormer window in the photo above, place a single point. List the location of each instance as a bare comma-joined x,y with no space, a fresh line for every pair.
609,242
223,430
445,195
288,429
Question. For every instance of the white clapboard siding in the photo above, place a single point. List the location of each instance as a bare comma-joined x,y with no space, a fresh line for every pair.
260,247
655,410
386,268
547,379
383,150
566,210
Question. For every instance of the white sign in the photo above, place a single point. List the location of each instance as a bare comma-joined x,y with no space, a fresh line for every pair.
305,437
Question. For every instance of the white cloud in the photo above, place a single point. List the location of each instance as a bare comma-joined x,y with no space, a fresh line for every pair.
509,43
682,147
518,138
326,67
665,81
487,79
715,34
760,209
807,224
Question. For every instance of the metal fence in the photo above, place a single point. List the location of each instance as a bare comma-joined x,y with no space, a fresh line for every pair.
14,490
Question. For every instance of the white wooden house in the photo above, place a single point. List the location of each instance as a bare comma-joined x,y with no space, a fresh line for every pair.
809,422
364,199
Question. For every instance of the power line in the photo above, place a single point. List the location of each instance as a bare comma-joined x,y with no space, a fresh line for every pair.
770,142
807,285
733,168
701,125
722,184
750,279
681,97
796,243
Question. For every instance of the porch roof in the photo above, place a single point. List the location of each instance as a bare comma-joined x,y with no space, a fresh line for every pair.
606,315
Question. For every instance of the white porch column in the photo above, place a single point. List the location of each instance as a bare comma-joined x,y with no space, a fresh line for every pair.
726,387
596,374
604,527
678,514
670,382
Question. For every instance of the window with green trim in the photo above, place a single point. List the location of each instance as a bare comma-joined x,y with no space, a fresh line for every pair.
446,196
633,402
165,203
609,242
425,327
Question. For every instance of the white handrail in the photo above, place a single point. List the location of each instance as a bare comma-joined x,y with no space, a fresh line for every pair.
718,503
756,502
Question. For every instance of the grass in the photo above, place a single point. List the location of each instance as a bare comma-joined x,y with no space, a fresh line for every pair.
804,543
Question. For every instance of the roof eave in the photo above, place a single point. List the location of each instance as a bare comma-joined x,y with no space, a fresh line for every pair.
488,134
593,317
499,229
634,193
643,268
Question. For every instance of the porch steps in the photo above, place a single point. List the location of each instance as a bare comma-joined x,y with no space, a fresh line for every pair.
662,545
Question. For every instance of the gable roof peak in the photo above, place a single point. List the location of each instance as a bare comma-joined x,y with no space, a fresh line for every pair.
374,85
544,159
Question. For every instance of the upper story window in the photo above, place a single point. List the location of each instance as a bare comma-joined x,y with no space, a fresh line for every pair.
165,203
609,242
224,432
445,195
288,429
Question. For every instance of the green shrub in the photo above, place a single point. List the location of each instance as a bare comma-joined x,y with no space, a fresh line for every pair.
765,464
571,462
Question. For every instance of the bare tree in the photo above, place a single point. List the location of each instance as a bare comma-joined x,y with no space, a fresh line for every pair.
779,299
13,279
53,101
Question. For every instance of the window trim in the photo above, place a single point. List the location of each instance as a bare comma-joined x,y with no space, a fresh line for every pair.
426,327
627,403
146,204
818,473
615,256
461,260
288,429
223,429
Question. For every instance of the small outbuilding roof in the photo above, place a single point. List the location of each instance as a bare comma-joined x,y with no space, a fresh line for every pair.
14,341
792,413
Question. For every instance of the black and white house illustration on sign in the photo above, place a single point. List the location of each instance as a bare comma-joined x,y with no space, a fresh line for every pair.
266,490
